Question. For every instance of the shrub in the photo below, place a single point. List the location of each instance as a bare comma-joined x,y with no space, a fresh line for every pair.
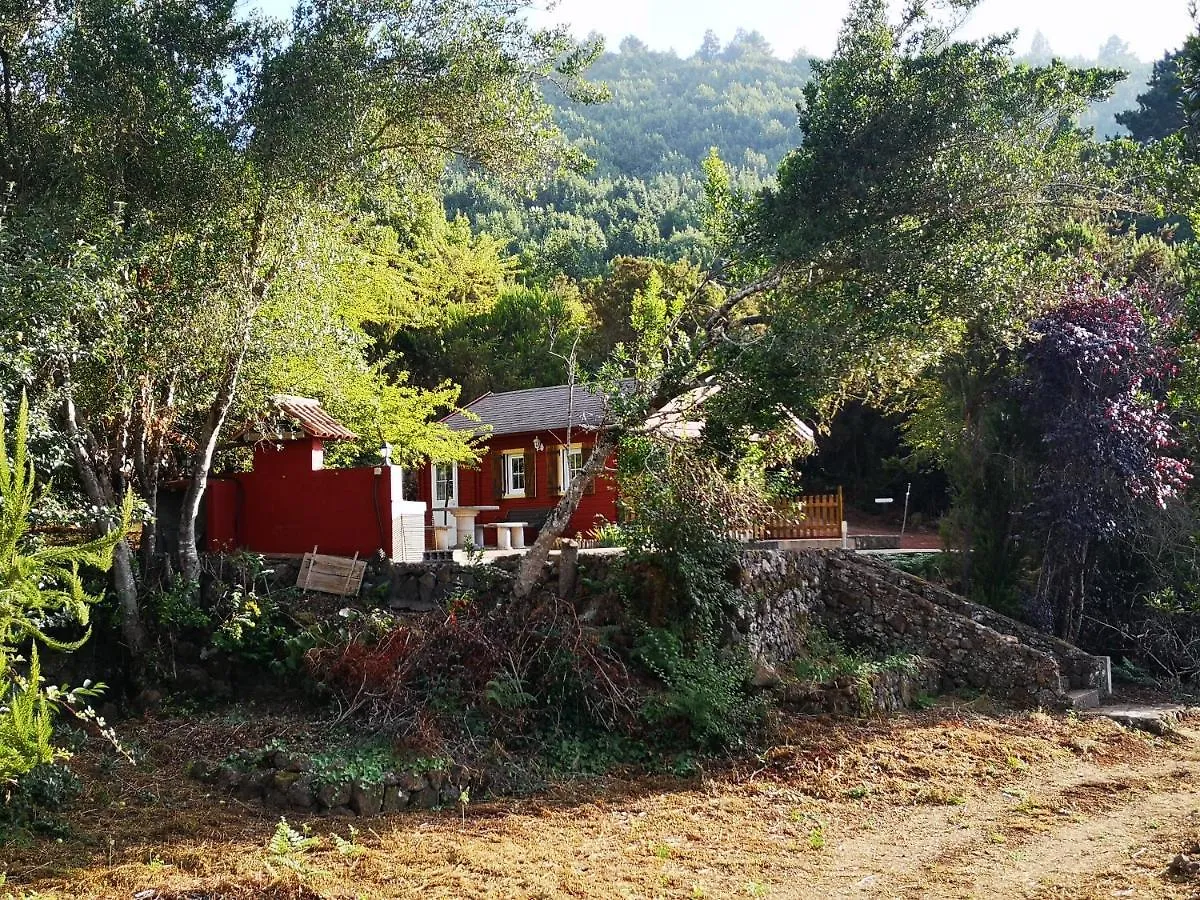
607,534
826,660
34,799
1094,381
683,512
513,670
706,689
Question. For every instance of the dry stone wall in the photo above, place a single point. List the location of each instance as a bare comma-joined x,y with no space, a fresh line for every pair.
779,589
864,602
282,780
879,692
1081,669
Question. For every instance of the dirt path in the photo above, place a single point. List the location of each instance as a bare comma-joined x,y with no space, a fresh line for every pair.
948,803
1088,831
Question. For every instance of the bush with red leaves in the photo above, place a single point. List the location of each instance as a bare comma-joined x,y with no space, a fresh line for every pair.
1092,388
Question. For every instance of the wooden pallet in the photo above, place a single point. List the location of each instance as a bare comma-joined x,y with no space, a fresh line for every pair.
331,574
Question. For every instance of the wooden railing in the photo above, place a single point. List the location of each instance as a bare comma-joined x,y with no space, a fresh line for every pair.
813,516
66,535
807,517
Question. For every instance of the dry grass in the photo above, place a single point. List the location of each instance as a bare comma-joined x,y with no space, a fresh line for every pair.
829,800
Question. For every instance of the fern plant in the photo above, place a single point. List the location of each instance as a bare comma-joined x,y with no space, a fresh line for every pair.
40,589
287,849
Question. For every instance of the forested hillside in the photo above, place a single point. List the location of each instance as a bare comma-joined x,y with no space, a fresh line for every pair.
665,113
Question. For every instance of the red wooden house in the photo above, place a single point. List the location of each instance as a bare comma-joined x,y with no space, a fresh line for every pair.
538,439
290,503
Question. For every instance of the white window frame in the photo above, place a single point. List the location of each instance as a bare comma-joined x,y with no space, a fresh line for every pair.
509,490
565,470
452,496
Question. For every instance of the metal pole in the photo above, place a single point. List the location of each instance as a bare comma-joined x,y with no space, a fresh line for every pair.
904,520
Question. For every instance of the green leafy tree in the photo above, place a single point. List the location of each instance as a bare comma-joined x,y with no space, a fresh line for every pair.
1159,112
913,203
175,167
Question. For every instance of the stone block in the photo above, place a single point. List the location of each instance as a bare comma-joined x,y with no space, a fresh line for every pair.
227,778
330,796
281,781
254,785
366,799
411,781
300,794
394,798
426,799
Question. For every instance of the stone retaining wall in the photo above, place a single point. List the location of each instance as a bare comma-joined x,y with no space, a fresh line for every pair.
860,606
421,587
857,599
1082,669
779,588
865,602
880,692
281,781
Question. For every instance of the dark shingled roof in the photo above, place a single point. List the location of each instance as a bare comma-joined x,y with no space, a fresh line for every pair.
533,409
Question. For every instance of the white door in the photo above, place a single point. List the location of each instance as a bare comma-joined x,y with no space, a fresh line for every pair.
445,496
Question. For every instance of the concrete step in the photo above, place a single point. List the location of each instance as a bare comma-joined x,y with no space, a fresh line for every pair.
1157,718
1084,698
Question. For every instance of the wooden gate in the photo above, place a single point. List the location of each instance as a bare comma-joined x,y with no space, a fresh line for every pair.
808,517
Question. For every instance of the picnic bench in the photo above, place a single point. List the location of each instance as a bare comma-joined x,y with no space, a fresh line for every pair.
509,535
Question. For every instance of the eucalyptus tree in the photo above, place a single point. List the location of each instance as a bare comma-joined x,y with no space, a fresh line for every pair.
174,166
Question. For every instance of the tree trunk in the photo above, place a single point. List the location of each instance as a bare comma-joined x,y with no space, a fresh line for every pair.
124,581
125,585
189,554
532,568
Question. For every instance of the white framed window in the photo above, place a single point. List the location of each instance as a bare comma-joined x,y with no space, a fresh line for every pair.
514,474
570,465
445,482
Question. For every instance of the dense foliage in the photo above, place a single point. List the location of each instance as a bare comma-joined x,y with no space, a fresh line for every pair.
187,187
1092,379
645,195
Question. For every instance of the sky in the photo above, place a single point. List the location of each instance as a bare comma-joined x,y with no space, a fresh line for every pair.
1073,27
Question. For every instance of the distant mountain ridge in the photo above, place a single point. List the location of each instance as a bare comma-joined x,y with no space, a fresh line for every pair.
666,112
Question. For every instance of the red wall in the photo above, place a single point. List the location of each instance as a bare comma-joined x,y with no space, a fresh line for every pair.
476,486
288,505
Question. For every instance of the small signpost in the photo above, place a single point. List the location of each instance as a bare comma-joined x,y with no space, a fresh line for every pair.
886,500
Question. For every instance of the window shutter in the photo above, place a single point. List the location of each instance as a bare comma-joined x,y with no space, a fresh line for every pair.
531,473
554,467
497,474
587,454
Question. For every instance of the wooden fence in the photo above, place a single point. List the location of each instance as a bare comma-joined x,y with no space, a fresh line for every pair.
807,517
67,535
813,516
